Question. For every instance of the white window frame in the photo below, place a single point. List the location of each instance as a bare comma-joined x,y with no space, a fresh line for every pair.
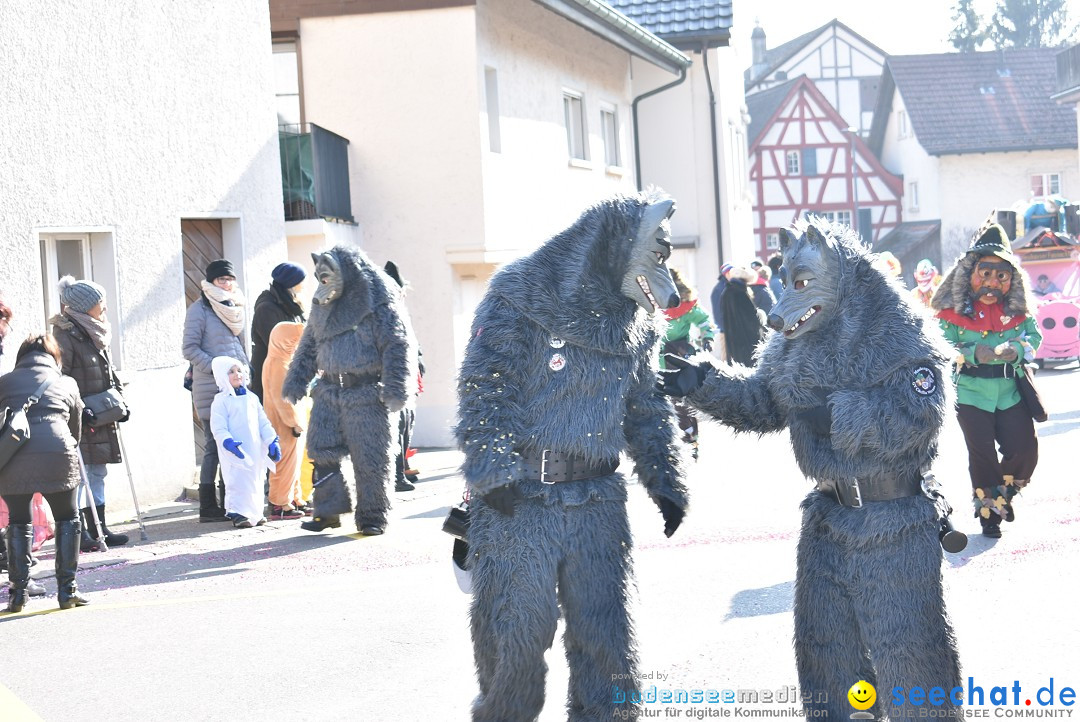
903,130
913,195
577,129
843,217
283,47
609,129
772,240
792,162
1050,182
491,98
50,272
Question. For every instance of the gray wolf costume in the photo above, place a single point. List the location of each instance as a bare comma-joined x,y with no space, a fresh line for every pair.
858,377
360,340
558,379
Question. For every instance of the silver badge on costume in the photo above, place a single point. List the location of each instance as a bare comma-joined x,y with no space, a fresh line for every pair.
924,381
556,342
557,362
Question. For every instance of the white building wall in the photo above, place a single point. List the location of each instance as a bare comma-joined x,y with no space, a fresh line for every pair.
903,155
122,119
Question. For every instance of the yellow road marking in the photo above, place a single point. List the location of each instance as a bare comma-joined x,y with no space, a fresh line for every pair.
14,710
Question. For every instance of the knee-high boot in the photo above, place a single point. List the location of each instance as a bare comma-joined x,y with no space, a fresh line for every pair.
113,540
20,537
67,564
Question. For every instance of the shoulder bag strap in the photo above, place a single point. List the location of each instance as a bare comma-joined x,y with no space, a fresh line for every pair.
37,394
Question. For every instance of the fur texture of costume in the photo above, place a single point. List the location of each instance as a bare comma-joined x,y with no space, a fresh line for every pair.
562,358
360,340
859,378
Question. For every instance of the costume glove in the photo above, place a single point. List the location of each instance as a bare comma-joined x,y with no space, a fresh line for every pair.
241,390
233,447
274,451
984,354
1006,351
818,418
297,432
503,498
672,514
681,377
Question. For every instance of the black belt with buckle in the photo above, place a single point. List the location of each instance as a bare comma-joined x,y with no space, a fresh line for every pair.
348,381
551,467
989,371
854,493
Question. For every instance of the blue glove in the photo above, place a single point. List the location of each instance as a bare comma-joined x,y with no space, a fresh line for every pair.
233,447
274,452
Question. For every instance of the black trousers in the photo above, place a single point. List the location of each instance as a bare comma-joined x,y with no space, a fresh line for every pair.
1011,430
64,505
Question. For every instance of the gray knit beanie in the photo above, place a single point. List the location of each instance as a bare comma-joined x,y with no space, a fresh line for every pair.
80,295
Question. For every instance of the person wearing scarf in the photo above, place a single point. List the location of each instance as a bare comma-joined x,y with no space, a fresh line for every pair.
82,330
212,328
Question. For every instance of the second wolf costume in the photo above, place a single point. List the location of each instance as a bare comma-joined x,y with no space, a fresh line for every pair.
558,379
859,378
359,339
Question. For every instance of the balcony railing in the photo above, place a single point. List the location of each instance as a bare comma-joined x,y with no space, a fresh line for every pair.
1068,69
314,173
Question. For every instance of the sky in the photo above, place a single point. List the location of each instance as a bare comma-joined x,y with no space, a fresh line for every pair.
898,27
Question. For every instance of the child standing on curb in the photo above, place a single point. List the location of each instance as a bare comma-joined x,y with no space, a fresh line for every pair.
240,427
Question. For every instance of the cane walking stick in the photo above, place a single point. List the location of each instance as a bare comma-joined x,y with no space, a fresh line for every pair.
131,483
100,539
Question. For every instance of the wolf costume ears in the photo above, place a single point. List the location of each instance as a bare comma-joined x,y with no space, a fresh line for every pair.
813,234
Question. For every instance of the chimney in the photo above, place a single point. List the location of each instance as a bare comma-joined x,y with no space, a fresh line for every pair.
757,45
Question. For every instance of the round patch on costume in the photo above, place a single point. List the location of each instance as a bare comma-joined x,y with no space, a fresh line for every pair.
556,342
557,362
923,380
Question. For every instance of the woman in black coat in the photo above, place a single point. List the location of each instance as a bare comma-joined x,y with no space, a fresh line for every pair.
48,463
274,305
744,323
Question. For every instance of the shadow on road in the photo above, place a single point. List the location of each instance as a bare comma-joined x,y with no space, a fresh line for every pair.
776,599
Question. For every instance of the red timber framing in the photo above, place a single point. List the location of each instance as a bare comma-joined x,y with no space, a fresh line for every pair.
806,125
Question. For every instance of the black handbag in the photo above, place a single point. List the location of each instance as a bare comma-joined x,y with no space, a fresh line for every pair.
1029,396
15,431
106,407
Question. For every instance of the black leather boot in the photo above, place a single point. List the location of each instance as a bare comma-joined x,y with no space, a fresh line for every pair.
321,523
209,510
89,539
113,540
20,537
67,564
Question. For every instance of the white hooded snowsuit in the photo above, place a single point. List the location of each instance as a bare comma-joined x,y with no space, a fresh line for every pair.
241,418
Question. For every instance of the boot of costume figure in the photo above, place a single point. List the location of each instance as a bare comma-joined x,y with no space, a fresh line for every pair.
67,563
113,540
19,539
209,509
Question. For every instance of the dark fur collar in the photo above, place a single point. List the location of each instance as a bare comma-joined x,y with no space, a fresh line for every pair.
366,288
570,286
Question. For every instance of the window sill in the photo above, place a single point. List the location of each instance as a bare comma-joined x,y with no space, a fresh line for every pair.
580,163
616,170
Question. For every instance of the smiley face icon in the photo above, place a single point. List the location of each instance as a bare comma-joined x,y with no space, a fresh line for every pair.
862,695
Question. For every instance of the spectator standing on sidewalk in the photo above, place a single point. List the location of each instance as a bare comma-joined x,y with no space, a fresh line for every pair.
82,330
212,328
281,302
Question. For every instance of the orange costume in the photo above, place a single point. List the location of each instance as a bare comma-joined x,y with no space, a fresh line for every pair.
285,417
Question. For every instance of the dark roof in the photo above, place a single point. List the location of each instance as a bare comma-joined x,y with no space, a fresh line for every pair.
683,23
902,239
763,106
782,53
980,102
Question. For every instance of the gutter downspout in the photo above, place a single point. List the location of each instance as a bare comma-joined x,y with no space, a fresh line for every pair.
633,107
715,159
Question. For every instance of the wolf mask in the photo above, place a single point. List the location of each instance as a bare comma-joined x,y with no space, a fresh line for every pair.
647,281
813,274
330,277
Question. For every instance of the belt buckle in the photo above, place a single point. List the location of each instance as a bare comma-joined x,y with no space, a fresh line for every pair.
843,493
543,466
340,380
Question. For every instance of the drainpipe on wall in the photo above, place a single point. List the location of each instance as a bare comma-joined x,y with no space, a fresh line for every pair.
633,112
715,159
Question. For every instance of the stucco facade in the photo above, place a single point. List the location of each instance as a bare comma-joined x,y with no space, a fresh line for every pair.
121,120
410,90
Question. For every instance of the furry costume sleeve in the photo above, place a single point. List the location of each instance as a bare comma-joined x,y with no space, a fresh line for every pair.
740,397
302,368
652,437
398,369
488,423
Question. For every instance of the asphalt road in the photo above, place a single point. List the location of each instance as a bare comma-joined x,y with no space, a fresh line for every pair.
204,622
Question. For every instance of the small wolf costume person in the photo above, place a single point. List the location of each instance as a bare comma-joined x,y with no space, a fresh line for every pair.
558,379
360,339
858,377
984,307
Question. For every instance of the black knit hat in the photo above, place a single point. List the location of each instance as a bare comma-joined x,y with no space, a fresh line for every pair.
219,268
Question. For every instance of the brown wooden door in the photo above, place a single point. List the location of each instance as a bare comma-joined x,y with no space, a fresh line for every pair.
202,243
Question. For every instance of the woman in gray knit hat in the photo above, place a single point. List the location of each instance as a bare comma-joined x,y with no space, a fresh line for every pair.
83,332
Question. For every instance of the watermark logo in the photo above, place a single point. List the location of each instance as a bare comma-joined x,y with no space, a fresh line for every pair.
862,696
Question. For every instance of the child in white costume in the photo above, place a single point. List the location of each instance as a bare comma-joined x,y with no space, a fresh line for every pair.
241,428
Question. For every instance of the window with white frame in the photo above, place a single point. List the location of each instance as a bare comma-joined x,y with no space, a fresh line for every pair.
793,162
62,255
491,95
913,196
902,130
574,117
286,84
609,122
772,240
836,216
1045,184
